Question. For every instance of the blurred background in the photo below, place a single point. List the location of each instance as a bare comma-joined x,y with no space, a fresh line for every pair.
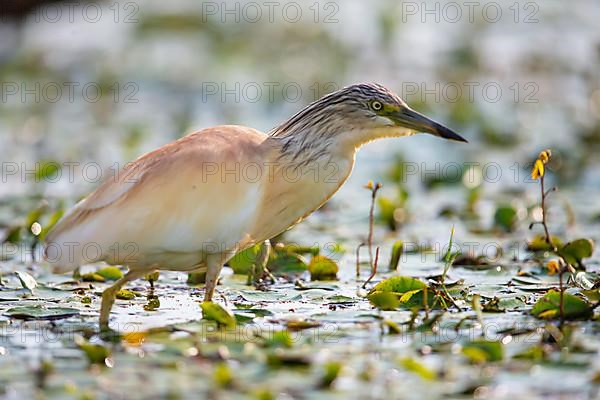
88,86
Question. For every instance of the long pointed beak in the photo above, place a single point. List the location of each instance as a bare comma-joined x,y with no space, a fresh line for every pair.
411,119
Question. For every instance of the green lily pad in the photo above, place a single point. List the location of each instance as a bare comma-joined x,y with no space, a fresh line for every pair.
243,261
322,268
407,290
93,277
505,218
574,307
110,273
479,351
282,262
539,243
125,294
39,312
214,312
574,252
95,353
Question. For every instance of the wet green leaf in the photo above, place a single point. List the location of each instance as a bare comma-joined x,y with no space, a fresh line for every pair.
40,312
414,365
95,353
479,351
243,261
408,292
110,273
152,304
332,371
125,294
548,307
214,312
196,278
574,252
223,375
322,268
281,338
505,217
539,243
386,301
92,277
397,249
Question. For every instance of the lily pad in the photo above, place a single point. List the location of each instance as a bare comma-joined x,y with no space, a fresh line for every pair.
407,290
574,307
214,312
39,312
322,268
574,252
110,273
479,351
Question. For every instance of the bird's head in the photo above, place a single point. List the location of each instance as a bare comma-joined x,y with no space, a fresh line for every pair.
360,113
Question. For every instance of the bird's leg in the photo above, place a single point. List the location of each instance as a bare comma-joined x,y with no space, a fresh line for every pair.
214,263
108,296
262,260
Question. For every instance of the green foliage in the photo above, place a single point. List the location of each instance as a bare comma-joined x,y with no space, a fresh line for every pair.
281,338
152,304
214,312
393,211
322,268
243,261
398,292
125,294
95,353
505,217
196,278
538,243
480,351
397,250
574,307
417,367
332,371
92,277
574,252
40,312
110,273
223,375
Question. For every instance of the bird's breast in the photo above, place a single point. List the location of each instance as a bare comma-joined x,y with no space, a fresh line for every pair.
293,191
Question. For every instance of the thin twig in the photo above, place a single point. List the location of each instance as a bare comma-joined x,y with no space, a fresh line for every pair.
373,270
358,260
374,191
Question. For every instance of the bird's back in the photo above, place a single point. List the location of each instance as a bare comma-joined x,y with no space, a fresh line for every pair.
197,194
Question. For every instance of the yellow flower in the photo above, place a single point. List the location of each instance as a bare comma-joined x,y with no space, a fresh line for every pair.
369,185
553,267
538,170
545,156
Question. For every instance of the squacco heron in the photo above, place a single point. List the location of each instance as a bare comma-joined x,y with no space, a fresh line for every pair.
194,203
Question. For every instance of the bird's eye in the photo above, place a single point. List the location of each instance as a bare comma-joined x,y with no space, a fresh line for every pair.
376,105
